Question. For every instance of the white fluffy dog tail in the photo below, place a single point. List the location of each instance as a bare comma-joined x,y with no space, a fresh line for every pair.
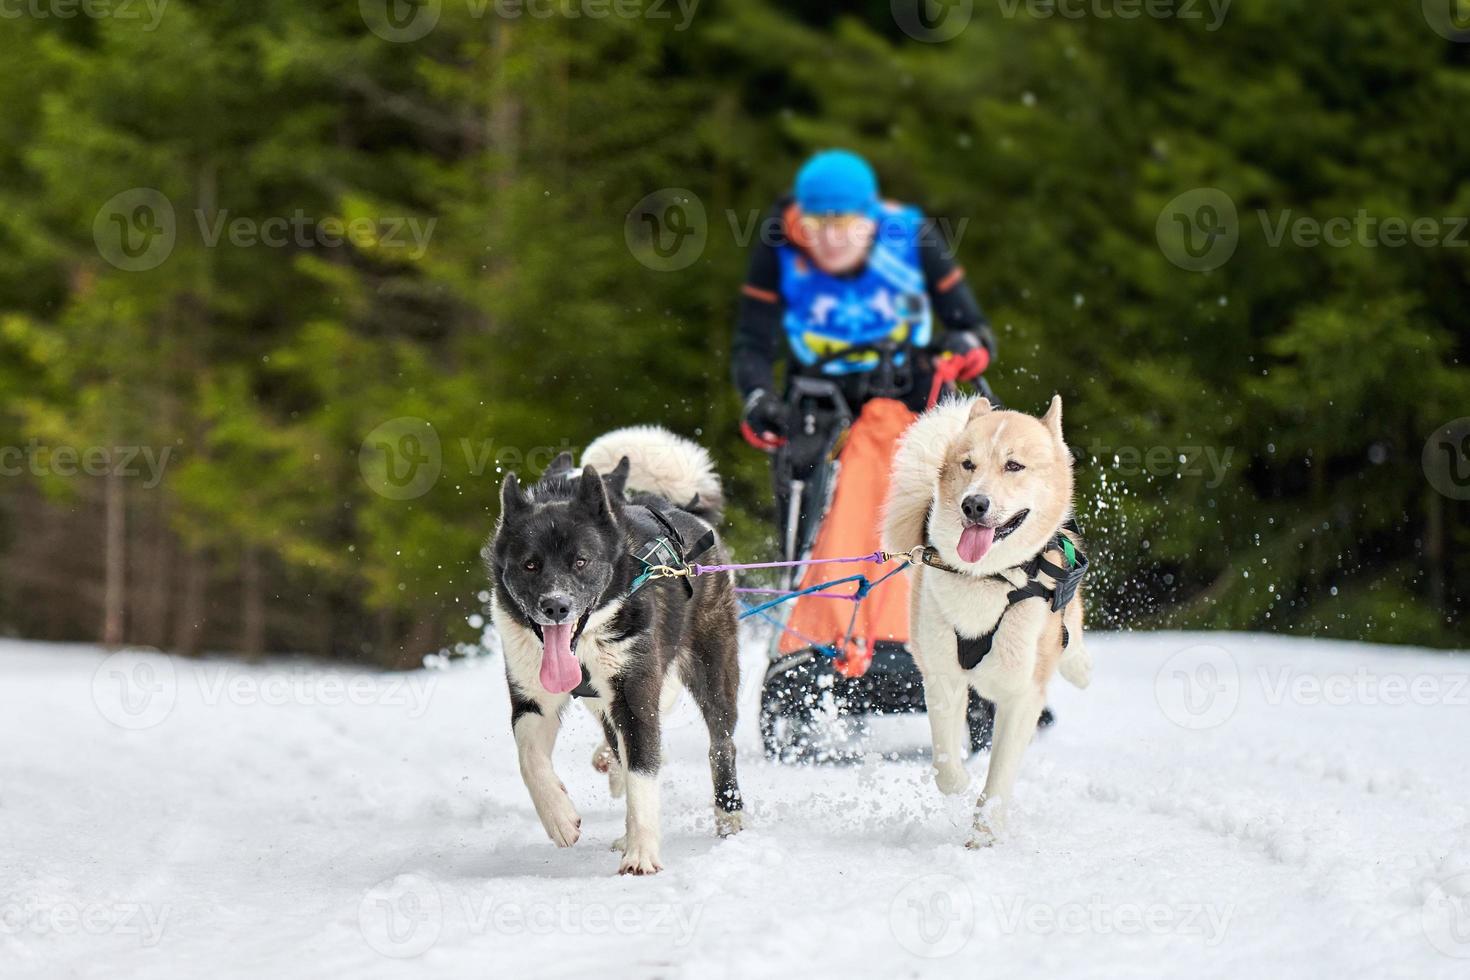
663,463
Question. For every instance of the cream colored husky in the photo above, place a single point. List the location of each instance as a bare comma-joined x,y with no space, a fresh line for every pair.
985,494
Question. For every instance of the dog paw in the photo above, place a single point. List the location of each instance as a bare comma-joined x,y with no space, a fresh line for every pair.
980,838
728,824
603,759
951,779
640,858
988,820
562,822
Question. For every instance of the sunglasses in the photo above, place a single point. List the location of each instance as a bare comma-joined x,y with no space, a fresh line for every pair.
814,223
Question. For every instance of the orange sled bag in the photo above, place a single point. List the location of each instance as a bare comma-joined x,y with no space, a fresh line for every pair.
851,527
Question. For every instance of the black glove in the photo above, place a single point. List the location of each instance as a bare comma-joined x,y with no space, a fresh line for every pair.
958,342
764,413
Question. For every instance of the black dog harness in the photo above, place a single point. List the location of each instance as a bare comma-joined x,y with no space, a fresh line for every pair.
668,551
972,650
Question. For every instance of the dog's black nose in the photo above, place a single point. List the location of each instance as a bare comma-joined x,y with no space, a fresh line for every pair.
556,607
975,506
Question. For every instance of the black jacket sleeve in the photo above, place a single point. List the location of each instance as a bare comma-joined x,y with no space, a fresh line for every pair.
954,304
760,340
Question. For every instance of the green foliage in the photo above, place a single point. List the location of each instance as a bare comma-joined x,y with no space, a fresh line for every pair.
1048,146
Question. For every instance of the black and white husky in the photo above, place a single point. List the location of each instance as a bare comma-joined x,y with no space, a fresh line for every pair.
574,618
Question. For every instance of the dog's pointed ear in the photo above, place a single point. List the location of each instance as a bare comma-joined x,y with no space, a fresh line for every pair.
617,480
560,466
513,500
981,407
591,497
1053,417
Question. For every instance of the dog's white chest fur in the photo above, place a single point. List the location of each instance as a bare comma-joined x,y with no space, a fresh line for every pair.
603,656
972,605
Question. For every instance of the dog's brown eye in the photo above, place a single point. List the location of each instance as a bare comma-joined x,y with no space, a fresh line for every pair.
1014,467
532,566
966,464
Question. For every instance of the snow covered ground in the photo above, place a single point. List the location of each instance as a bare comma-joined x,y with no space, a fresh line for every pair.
1217,805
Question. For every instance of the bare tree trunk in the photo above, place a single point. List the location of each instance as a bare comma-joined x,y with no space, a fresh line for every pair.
114,596
158,584
503,131
189,626
323,625
387,638
422,640
252,604
1434,552
505,109
192,614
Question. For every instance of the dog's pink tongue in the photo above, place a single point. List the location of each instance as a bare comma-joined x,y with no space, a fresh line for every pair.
975,541
560,671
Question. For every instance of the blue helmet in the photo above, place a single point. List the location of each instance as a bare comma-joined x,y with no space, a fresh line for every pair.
837,182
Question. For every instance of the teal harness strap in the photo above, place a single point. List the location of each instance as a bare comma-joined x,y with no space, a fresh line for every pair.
668,557
660,553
